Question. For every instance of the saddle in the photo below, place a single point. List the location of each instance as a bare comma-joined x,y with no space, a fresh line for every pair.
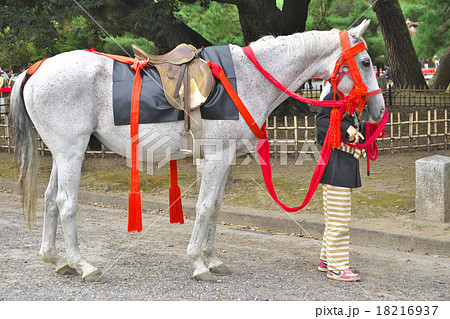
187,82
181,70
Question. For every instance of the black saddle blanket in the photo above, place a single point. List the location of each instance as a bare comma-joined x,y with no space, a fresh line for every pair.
154,107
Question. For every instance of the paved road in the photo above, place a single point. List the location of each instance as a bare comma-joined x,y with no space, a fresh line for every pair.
153,266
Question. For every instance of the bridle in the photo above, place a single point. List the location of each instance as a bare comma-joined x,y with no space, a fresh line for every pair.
355,100
346,65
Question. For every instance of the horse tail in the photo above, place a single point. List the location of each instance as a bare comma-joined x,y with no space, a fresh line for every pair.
25,148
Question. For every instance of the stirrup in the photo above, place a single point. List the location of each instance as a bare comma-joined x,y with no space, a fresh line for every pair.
187,150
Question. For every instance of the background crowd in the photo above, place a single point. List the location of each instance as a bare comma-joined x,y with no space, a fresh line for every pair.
7,77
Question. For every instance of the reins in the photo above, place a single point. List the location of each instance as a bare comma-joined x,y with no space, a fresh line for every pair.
355,100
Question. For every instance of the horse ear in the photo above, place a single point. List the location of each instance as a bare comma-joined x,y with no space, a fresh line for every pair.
359,30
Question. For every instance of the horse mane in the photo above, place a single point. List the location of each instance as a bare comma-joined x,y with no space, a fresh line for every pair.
303,42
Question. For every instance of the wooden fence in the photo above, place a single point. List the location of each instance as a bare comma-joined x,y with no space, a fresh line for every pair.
421,129
416,97
5,135
418,130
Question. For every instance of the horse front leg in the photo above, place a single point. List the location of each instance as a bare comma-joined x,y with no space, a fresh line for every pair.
48,251
215,265
208,206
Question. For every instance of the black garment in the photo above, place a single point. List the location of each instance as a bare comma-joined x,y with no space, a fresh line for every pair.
342,168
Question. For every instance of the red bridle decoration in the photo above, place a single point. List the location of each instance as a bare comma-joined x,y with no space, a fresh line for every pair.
357,97
358,94
355,100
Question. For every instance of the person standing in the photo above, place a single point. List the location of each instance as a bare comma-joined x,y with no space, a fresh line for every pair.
388,73
436,61
3,74
340,177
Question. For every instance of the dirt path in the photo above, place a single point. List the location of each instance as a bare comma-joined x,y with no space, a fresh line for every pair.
153,265
385,202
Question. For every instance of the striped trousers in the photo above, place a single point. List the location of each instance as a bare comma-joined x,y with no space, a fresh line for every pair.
335,244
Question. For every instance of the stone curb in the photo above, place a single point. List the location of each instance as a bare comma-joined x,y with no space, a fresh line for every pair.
359,236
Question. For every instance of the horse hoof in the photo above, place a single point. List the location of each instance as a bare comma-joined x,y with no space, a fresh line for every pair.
206,276
96,276
67,271
221,270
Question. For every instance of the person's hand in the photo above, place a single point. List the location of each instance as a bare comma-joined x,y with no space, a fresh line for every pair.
353,134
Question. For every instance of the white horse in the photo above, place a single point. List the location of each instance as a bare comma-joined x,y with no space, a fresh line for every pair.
70,98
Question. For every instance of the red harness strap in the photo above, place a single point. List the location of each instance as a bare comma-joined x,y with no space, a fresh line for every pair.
263,145
217,71
134,198
32,69
248,51
356,99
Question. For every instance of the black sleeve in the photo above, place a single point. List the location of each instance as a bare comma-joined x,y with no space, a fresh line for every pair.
323,121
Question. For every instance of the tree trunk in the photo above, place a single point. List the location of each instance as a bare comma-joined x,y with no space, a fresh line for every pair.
441,77
166,38
154,21
402,57
262,17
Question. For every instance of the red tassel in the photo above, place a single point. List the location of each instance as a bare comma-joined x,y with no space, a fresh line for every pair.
134,198
357,98
176,209
134,212
334,139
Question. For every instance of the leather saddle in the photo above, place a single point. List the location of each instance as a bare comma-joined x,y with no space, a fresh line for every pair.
186,78
187,82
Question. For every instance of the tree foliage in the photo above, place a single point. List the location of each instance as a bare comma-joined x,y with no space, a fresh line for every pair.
433,32
218,23
344,14
53,26
33,29
30,29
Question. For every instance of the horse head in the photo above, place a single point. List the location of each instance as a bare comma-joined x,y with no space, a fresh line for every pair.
374,110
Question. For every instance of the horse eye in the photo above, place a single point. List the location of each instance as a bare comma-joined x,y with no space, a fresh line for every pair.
366,63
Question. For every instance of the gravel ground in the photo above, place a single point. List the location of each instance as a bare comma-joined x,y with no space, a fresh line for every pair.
153,266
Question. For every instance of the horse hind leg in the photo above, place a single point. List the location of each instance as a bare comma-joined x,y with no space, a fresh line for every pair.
69,171
48,251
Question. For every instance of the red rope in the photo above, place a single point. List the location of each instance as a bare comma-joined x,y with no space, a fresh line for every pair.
356,98
373,131
134,197
251,55
217,71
